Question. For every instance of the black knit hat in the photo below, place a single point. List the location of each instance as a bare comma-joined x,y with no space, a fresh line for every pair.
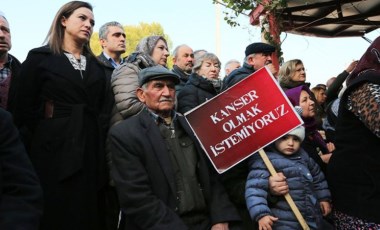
259,47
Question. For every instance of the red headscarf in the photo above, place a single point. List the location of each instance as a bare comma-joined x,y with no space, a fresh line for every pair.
370,61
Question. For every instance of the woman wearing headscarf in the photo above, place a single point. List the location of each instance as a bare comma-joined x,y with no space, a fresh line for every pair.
354,169
61,108
150,51
203,84
313,144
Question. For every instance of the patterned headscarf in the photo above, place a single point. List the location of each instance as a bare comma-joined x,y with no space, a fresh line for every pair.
142,56
147,44
370,61
310,123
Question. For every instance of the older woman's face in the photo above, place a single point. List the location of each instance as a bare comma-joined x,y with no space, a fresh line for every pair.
299,74
307,105
160,53
209,69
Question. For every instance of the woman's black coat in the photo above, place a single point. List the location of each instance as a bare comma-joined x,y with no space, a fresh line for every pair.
64,119
196,91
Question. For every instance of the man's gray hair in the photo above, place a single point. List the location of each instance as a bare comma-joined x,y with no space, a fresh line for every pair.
103,31
230,62
3,15
175,51
145,86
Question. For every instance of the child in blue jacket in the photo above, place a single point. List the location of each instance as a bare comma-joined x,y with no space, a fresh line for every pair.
307,186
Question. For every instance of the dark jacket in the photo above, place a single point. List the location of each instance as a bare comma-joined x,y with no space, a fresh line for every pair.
183,77
307,187
20,191
235,178
237,75
144,176
196,91
108,68
64,118
313,149
292,84
353,170
15,70
333,91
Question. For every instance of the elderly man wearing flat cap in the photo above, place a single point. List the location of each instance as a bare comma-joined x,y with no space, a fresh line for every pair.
159,169
257,55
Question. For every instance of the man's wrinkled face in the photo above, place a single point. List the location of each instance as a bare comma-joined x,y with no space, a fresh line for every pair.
158,95
5,36
259,60
184,59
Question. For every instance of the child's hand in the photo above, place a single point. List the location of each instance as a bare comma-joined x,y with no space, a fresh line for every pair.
325,207
278,185
266,222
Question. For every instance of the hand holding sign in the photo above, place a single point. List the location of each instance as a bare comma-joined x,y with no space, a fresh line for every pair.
243,119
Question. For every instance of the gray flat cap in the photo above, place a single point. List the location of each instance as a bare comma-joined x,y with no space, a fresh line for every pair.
156,72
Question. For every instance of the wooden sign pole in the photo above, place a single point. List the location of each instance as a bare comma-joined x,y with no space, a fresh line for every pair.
288,198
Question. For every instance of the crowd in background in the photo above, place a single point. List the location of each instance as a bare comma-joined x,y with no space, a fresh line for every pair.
101,142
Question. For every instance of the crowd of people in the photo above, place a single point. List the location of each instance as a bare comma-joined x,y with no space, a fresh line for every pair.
102,143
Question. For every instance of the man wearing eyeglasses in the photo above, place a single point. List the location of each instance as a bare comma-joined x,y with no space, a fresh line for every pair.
257,55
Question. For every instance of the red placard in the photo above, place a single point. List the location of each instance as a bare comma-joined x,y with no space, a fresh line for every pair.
243,119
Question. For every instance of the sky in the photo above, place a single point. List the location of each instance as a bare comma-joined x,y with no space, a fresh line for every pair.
193,23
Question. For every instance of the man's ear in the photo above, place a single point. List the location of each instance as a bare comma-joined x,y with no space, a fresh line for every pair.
250,60
140,94
174,60
102,42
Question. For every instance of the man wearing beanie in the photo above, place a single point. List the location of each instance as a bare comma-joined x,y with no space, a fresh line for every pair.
307,186
257,55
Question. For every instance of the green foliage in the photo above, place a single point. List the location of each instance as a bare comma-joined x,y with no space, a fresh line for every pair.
134,33
269,38
238,7
245,6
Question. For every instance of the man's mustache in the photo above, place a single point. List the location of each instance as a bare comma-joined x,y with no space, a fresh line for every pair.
166,100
